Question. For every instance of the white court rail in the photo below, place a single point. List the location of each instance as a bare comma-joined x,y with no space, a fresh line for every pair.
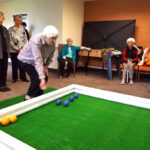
8,142
26,106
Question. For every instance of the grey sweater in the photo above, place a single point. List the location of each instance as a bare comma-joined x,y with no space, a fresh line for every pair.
18,38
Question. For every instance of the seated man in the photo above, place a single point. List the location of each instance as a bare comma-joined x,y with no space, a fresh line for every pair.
68,57
130,58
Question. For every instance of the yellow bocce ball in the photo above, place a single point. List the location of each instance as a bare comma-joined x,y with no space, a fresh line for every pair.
13,118
5,121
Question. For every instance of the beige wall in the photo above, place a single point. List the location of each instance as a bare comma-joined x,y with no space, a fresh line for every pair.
73,13
40,14
66,15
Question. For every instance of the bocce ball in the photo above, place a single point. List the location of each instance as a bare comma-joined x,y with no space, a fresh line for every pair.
66,103
71,99
58,102
5,121
13,118
75,95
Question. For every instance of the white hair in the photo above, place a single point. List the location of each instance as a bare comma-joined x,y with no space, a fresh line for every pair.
69,40
50,31
131,40
1,13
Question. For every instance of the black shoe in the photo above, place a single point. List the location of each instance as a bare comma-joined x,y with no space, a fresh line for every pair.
14,81
3,89
6,88
25,80
26,99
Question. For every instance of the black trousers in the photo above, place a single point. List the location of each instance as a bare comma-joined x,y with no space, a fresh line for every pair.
62,65
3,69
15,68
34,88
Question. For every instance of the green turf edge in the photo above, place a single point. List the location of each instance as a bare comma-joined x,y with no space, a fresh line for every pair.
18,99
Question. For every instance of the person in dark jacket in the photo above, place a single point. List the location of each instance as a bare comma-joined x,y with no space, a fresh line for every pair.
27,33
4,54
130,58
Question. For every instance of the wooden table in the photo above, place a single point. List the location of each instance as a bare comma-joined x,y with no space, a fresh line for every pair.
94,58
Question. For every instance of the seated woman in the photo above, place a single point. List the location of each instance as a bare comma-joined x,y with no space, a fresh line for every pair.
145,55
68,57
130,58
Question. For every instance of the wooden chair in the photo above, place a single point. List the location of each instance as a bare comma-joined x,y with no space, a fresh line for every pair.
74,64
145,67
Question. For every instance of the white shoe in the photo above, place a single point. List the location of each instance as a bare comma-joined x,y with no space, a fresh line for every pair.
131,82
123,81
141,63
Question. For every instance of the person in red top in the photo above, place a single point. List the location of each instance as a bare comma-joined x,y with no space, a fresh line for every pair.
130,58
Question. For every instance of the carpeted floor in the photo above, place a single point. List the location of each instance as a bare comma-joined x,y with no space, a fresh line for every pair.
95,78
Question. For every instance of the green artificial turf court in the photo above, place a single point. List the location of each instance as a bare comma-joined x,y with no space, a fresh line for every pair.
87,124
